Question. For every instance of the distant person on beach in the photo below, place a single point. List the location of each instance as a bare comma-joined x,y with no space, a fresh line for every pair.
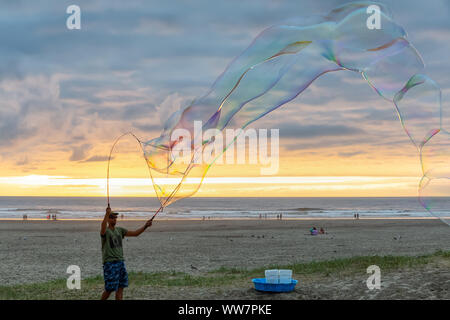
114,271
313,231
322,231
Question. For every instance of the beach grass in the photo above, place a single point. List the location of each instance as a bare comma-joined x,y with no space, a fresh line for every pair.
92,287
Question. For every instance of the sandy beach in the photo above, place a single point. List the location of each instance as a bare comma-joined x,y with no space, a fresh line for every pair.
38,251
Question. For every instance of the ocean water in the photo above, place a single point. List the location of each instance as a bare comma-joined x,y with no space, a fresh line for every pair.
88,207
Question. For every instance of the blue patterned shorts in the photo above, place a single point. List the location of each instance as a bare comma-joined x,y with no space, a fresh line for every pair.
115,275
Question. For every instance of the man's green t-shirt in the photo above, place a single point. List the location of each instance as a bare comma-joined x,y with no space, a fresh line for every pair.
112,244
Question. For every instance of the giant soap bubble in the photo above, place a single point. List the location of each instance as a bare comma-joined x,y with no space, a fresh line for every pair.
280,63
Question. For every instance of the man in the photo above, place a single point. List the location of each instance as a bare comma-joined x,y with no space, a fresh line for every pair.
114,271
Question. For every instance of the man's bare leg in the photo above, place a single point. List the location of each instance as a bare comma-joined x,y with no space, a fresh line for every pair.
119,294
106,295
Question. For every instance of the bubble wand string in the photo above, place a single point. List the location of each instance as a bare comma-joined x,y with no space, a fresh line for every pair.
108,169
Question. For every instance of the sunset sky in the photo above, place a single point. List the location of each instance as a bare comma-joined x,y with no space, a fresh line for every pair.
65,95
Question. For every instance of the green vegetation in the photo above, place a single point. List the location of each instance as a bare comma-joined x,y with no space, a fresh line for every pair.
91,288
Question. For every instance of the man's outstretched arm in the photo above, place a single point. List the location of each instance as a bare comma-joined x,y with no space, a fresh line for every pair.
105,221
137,232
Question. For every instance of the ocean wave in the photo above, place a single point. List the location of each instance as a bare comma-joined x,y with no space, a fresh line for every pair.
214,213
305,209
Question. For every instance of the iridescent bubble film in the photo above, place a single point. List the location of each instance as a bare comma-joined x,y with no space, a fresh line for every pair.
280,63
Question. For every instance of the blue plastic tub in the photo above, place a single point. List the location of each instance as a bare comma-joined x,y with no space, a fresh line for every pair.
262,285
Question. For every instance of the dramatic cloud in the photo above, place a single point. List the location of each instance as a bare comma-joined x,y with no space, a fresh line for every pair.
66,94
79,153
98,158
297,130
